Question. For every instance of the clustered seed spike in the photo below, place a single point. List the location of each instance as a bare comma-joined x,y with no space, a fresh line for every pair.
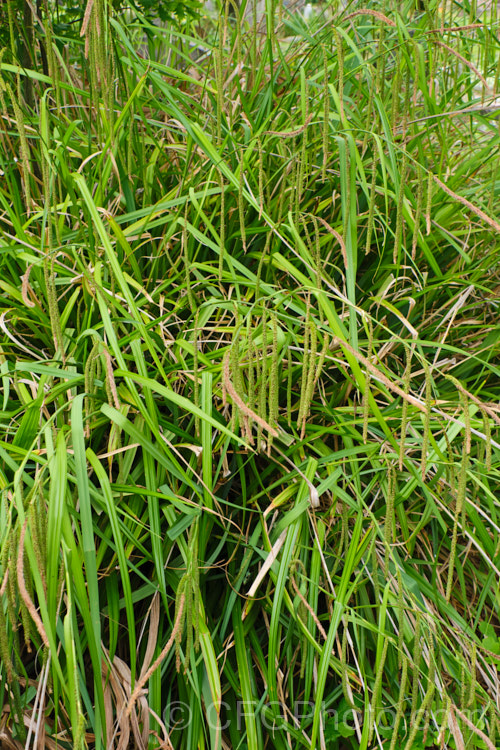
487,445
24,146
428,207
418,211
340,62
326,115
430,689
459,508
371,205
241,202
401,615
400,706
377,688
366,392
417,653
222,233
427,419
262,399
5,650
303,405
261,175
389,517
274,377
196,385
399,212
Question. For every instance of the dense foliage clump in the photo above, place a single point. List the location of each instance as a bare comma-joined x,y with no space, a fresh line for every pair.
249,451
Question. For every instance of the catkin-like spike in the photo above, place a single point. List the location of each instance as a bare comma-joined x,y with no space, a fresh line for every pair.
11,586
399,211
23,591
79,742
347,215
396,90
473,680
427,419
189,623
401,616
175,637
219,57
317,259
238,34
196,593
493,723
326,115
305,364
241,203
389,516
417,653
369,112
381,58
465,405
261,175
446,707
322,357
366,407
409,350
430,185
487,444
406,106
192,594
25,616
400,706
303,160
263,376
462,484
415,723
50,285
38,536
222,233
111,390
273,376
5,650
418,211
340,62
24,149
376,690
241,404
310,377
366,392
430,687
180,616
263,257
196,385
371,207
375,576
453,554
250,367
12,37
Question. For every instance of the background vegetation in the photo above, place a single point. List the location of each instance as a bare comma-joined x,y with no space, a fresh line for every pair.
249,355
